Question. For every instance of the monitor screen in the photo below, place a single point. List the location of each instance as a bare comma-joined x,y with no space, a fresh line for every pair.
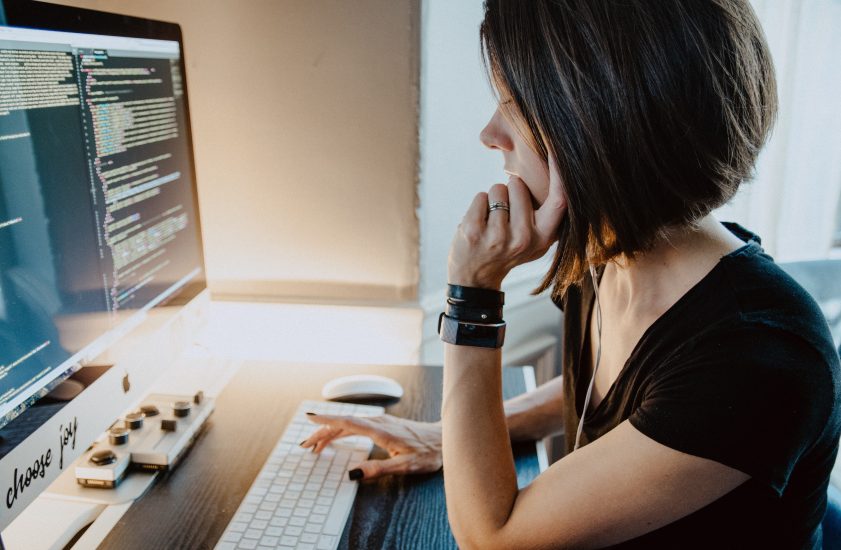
98,212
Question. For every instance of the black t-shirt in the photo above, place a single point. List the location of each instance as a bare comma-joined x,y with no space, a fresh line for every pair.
740,370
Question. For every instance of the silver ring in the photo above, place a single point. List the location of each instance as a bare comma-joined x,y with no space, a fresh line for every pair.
499,205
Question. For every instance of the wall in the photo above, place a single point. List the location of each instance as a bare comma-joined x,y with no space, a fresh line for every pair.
456,103
305,125
793,201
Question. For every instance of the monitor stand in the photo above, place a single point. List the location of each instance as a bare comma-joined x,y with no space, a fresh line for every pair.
65,391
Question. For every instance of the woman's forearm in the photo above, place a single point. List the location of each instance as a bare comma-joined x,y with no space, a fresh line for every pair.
480,481
537,414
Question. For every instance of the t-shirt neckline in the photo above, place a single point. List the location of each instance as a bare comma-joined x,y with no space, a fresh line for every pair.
751,247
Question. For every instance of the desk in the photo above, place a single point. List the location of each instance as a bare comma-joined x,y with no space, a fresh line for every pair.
190,507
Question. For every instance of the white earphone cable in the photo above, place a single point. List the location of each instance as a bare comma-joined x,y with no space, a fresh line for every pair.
598,358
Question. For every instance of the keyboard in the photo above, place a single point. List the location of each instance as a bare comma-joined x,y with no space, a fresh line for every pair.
299,499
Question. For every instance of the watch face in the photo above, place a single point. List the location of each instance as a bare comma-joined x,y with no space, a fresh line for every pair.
463,333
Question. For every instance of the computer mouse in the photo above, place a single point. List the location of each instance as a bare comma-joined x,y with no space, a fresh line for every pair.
362,387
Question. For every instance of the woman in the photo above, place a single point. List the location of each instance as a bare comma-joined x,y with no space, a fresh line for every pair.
706,378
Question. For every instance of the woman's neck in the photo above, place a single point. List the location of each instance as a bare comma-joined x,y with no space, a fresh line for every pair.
654,281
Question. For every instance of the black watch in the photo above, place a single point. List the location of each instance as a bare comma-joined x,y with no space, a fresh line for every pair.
468,333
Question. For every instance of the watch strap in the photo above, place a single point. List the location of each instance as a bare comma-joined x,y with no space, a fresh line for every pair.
467,333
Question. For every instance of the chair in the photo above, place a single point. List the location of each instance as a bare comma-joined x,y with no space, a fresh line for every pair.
822,279
832,520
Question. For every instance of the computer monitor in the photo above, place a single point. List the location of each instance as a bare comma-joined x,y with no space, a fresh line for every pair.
100,240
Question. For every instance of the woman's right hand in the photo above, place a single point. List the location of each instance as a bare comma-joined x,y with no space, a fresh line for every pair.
413,447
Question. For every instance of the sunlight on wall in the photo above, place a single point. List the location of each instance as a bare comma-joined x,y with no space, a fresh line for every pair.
314,333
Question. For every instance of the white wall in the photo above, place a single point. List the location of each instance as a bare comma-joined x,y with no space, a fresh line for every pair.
456,103
793,201
305,126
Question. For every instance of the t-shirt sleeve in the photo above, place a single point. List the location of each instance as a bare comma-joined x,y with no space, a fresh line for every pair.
752,398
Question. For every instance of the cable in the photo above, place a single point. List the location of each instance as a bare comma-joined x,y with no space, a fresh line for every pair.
598,358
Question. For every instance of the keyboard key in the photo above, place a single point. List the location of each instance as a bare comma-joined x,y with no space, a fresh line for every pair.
290,541
253,533
309,537
247,544
259,524
293,531
269,541
298,521
231,536
279,522
318,518
226,546
238,526
312,528
341,506
243,517
326,542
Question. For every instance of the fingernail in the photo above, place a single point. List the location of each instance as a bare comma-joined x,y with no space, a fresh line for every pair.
355,474
301,444
311,414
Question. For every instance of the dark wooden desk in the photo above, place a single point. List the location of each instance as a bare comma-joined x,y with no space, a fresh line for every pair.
190,507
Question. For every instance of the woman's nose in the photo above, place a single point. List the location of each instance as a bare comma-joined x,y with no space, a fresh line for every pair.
495,134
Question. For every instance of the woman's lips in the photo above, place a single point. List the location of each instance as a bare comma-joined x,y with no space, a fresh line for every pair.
534,202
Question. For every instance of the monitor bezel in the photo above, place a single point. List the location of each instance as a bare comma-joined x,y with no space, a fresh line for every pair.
54,17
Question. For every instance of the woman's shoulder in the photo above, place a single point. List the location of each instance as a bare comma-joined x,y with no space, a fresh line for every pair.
767,300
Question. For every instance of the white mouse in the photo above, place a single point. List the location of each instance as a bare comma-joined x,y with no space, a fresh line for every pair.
362,386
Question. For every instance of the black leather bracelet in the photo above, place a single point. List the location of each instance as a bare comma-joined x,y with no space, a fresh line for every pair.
475,297
460,312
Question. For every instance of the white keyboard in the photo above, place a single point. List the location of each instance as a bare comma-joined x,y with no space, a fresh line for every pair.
300,499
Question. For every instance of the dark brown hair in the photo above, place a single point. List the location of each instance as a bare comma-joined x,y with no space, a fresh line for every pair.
654,110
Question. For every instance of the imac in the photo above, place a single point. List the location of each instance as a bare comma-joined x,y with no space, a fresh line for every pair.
102,277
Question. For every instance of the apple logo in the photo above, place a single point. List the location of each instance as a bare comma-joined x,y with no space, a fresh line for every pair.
126,384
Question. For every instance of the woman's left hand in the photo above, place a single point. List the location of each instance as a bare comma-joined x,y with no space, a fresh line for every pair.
488,244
